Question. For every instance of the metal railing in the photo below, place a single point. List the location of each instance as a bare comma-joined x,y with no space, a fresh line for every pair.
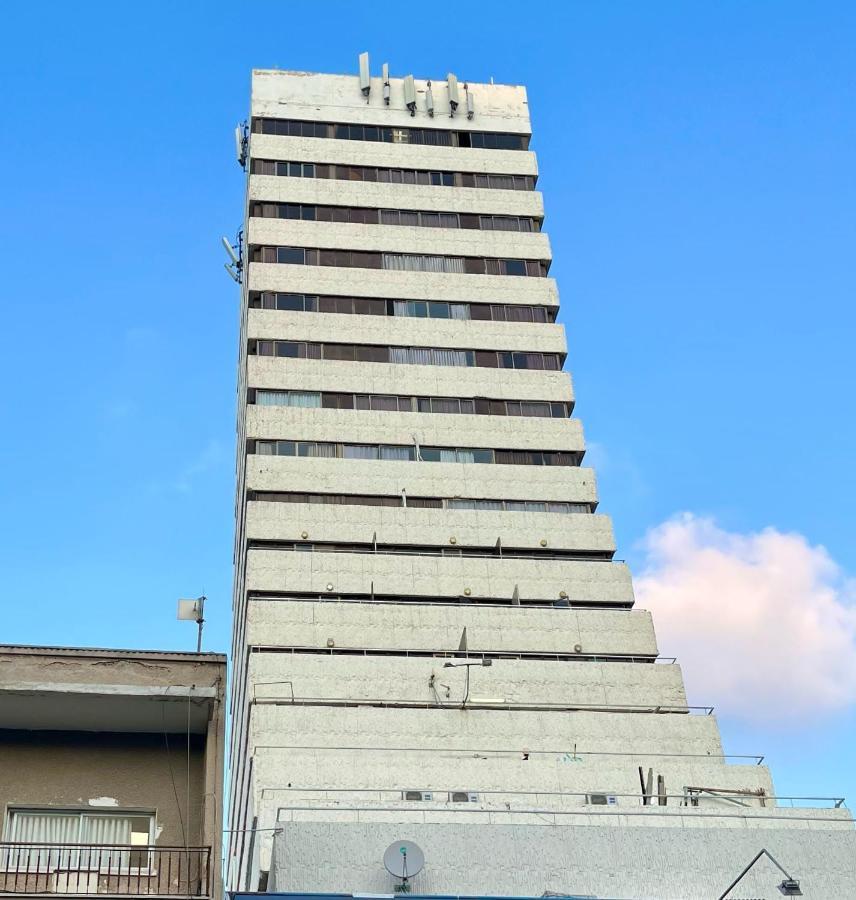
541,801
477,703
43,869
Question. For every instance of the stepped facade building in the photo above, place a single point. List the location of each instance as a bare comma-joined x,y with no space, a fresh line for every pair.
433,641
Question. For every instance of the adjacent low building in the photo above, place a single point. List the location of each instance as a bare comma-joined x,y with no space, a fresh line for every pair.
111,770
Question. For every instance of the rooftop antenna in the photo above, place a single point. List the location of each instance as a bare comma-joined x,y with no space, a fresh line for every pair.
365,77
470,105
385,77
429,100
404,860
454,94
193,611
410,94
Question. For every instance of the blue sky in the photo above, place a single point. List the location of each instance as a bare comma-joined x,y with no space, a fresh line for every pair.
697,165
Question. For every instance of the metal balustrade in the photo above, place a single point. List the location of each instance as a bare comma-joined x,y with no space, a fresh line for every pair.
44,869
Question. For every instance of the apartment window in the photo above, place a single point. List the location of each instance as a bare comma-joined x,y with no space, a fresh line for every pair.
419,356
393,176
407,452
407,262
507,223
293,256
301,399
292,169
70,827
413,262
420,309
394,403
434,137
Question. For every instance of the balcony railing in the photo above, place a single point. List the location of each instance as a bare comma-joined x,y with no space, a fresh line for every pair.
85,870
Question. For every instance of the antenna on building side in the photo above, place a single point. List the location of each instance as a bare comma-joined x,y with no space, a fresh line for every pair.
242,140
236,267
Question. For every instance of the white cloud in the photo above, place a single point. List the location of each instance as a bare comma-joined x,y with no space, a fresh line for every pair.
764,624
211,457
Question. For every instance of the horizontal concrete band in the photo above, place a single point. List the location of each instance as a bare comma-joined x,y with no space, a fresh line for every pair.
470,528
346,282
426,680
418,381
437,576
310,623
443,430
341,328
399,239
374,195
397,156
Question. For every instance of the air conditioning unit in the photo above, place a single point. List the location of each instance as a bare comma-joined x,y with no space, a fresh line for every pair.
463,797
601,800
417,795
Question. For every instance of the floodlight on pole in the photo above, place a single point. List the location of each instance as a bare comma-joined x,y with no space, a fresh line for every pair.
790,887
193,611
467,664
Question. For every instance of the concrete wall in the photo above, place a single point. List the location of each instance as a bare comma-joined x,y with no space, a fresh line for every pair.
438,576
415,627
126,772
386,378
528,290
436,479
400,239
374,195
437,429
661,859
405,331
470,528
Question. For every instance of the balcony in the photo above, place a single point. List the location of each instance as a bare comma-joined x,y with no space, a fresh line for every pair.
85,870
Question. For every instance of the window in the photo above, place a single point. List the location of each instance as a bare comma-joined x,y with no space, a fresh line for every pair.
407,452
419,356
407,262
69,827
295,256
435,137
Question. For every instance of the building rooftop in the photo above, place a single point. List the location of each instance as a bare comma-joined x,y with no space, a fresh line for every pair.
33,650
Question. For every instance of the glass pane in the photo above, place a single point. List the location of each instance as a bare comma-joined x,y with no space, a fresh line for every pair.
290,255
290,302
515,267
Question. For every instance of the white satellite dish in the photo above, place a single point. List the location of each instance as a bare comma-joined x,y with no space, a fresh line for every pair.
403,859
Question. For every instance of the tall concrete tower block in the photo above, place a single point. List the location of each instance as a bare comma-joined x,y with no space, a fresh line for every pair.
432,639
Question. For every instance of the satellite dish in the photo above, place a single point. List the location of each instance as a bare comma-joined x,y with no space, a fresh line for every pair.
403,859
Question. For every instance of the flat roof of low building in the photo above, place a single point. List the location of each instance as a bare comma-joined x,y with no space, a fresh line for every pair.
39,650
